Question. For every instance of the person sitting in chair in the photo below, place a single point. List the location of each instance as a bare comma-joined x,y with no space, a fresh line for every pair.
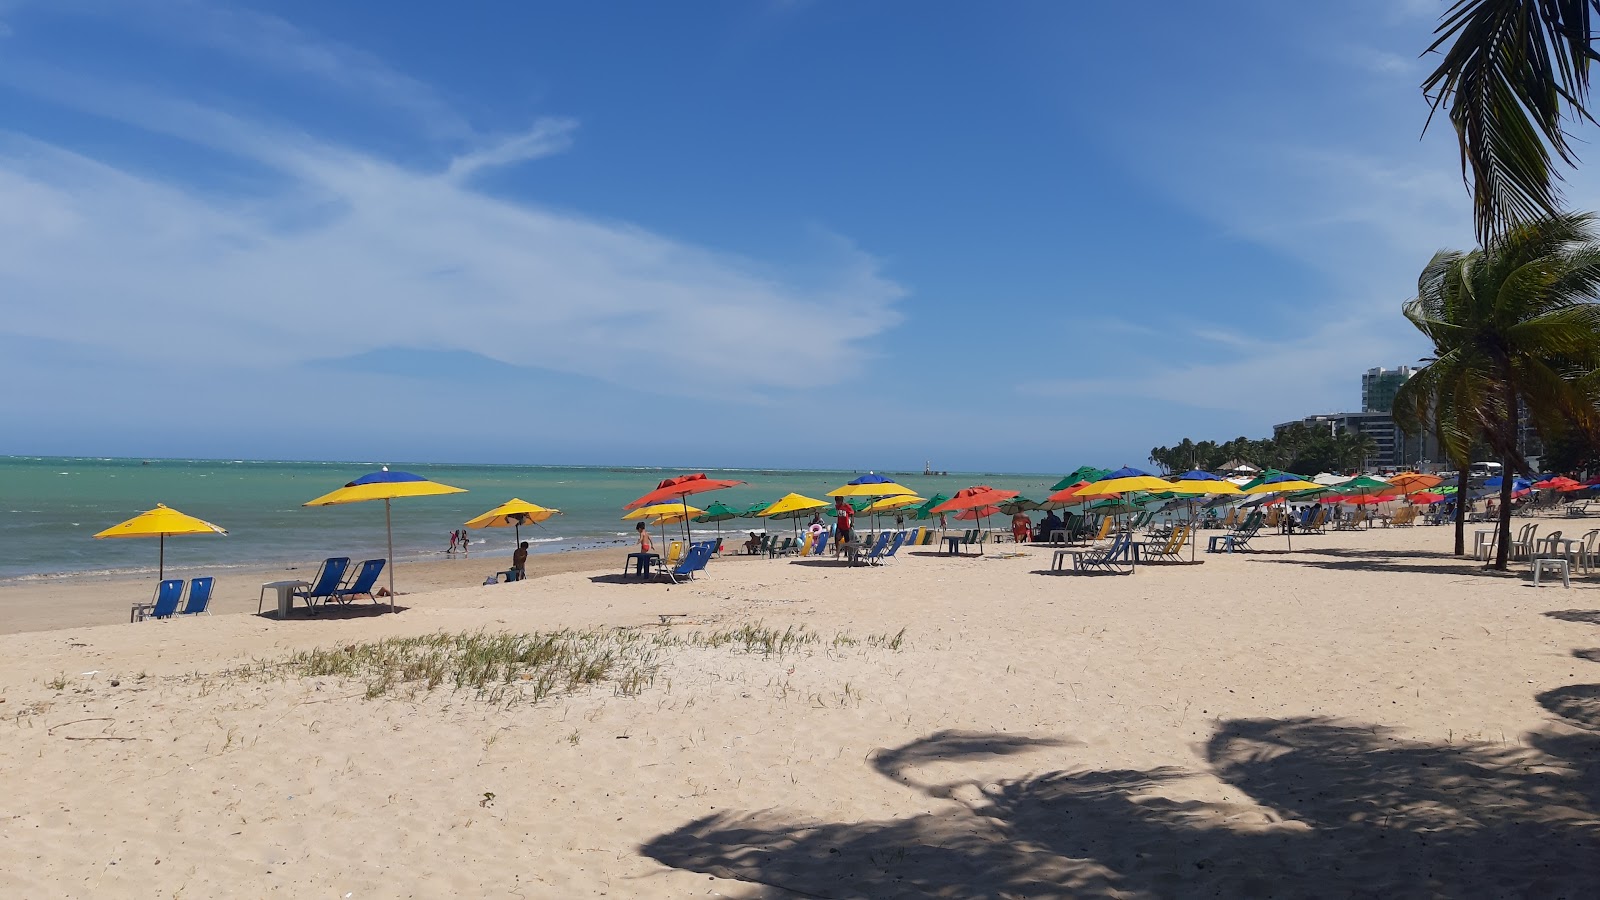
752,545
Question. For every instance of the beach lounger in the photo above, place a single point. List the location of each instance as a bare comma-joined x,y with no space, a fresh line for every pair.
901,539
880,552
1172,549
780,547
362,586
1116,558
199,596
869,550
976,538
167,595
329,579
694,561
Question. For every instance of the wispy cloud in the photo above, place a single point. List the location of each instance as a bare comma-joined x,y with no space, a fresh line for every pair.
546,137
356,252
268,43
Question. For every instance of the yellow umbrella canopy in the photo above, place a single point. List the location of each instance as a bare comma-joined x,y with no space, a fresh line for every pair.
513,514
793,503
889,504
1126,479
662,511
1196,486
871,485
158,523
385,485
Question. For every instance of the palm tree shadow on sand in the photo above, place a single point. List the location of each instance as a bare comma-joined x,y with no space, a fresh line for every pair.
1340,809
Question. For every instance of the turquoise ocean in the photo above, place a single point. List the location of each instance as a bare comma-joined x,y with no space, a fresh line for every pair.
51,506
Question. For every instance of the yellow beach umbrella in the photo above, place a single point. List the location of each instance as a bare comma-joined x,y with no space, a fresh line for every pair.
1282,482
871,485
889,504
790,503
514,513
158,523
1196,483
656,511
385,485
1126,479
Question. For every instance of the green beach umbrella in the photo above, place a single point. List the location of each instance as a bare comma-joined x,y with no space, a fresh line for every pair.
1018,504
1082,473
925,511
718,512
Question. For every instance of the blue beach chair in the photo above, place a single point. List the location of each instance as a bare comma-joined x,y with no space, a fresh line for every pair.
692,562
328,581
885,553
1116,559
366,578
199,596
168,593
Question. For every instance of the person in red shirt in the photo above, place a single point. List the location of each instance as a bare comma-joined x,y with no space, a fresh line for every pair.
847,516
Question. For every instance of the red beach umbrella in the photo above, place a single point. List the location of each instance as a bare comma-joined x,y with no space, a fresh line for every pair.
679,488
975,498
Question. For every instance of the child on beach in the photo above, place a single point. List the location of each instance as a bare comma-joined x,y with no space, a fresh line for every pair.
645,552
455,538
519,561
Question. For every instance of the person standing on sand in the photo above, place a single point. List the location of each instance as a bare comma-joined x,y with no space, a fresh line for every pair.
1021,528
846,519
646,551
519,561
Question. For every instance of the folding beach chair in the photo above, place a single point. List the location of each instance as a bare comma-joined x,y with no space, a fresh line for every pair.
329,579
362,586
881,552
167,595
693,562
199,596
1172,550
900,539
1116,558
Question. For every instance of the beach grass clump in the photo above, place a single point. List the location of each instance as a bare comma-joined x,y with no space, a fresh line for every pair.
510,667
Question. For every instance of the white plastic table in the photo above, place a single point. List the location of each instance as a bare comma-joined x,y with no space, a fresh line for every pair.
285,591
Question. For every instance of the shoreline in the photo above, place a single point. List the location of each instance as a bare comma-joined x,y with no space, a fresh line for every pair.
57,602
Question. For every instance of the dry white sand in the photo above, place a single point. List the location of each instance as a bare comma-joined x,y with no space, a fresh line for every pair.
1364,716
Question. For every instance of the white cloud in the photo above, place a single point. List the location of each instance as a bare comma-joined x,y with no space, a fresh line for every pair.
376,255
244,37
546,137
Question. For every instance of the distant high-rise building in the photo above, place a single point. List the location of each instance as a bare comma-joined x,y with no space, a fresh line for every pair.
1378,387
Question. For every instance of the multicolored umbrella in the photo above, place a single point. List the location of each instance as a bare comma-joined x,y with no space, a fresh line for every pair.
1123,480
871,485
386,486
158,523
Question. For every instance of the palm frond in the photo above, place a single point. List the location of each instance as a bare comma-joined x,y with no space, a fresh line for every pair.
1514,69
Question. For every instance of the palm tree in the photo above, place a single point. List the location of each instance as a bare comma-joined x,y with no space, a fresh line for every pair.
1513,72
1515,328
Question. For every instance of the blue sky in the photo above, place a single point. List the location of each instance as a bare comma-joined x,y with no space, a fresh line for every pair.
1009,237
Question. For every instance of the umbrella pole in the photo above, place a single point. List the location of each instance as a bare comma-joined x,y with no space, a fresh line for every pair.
388,529
161,567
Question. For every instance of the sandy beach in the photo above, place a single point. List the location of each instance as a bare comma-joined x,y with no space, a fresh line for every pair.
1366,715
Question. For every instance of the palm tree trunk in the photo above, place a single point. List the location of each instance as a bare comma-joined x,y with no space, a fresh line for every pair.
1461,510
1509,443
